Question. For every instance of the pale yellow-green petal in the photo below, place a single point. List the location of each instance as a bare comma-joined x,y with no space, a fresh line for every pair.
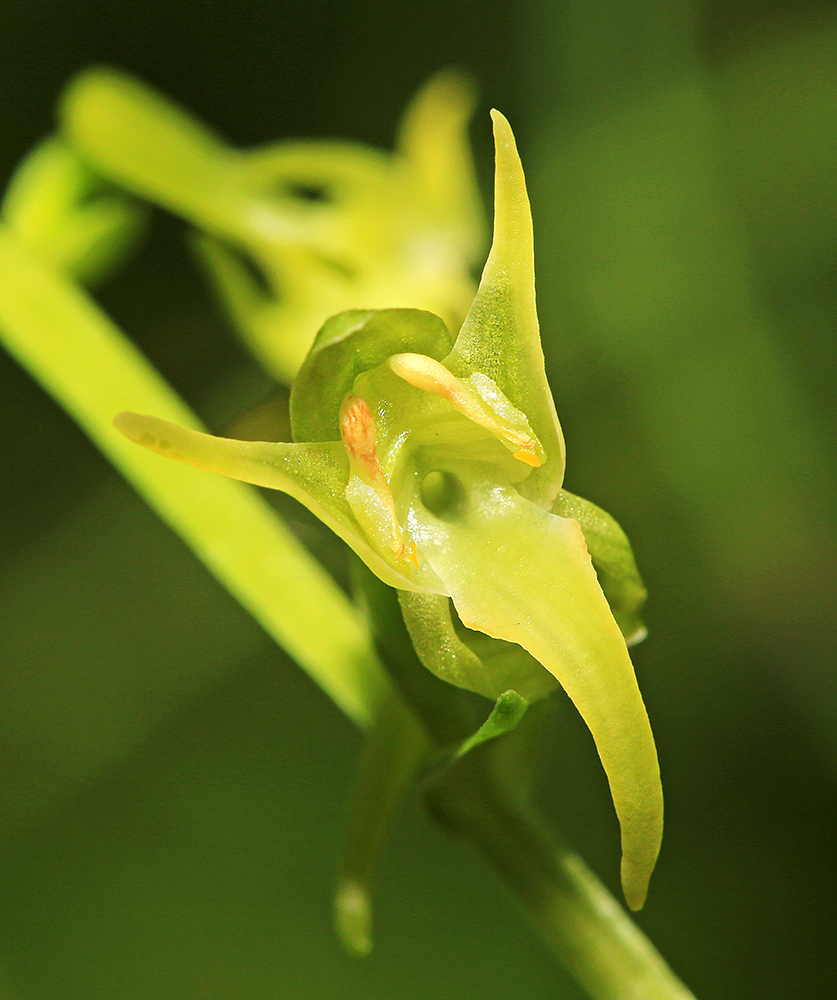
518,573
314,474
500,336
433,140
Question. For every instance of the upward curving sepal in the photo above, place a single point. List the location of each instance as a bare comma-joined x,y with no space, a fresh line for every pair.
500,336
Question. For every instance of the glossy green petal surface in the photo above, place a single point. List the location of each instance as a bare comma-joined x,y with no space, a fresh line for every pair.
522,574
613,560
500,337
348,345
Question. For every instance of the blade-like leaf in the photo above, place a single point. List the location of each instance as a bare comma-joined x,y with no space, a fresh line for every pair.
68,345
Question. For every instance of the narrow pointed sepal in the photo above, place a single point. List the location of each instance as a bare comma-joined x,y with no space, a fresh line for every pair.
500,336
508,710
314,474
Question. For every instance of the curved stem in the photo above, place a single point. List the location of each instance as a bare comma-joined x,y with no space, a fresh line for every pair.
574,914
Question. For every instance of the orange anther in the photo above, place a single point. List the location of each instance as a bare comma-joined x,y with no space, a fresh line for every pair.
528,457
357,427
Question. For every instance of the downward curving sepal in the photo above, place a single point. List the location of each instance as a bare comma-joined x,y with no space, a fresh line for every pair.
519,573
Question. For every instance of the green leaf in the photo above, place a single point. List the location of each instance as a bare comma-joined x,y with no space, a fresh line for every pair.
613,560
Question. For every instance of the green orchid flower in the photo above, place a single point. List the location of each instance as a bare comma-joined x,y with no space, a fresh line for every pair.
440,461
295,232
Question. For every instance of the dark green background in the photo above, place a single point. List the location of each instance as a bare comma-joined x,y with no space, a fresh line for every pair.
171,785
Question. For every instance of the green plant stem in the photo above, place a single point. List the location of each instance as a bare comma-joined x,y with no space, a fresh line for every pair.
394,750
574,914
58,334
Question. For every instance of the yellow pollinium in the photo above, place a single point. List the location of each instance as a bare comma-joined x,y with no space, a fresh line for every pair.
479,399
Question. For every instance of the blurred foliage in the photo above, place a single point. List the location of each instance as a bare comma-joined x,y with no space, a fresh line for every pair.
172,784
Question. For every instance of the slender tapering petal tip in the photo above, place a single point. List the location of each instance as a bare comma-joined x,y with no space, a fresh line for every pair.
150,432
635,897
131,425
353,917
638,867
502,130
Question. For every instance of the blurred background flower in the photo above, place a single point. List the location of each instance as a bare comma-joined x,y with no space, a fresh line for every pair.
172,785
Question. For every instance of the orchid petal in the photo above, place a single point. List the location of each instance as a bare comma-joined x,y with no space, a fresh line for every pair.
348,345
613,560
500,337
314,474
519,573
